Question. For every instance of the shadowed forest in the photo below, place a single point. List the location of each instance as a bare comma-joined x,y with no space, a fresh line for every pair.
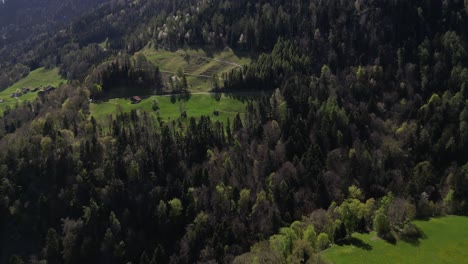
359,123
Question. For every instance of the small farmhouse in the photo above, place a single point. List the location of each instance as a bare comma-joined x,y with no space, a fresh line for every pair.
49,89
135,99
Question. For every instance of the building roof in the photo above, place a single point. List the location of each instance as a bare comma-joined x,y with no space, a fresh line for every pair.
136,98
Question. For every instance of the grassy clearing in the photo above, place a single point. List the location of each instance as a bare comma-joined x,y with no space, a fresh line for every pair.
171,108
38,78
198,64
446,241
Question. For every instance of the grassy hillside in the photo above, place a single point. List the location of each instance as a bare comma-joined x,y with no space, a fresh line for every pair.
38,78
170,107
199,65
446,241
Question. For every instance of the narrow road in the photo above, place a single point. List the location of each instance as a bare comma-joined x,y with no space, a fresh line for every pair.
210,93
187,74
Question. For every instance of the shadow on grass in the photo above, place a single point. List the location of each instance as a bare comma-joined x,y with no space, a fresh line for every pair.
355,242
178,97
412,235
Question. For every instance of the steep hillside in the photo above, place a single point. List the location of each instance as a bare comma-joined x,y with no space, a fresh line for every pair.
358,123
26,23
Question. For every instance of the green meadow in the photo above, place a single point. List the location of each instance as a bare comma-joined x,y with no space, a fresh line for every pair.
199,65
445,240
38,78
170,108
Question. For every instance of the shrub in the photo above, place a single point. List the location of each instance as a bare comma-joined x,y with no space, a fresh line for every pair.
323,241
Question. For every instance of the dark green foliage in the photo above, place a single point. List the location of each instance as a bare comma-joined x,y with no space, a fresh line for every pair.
368,94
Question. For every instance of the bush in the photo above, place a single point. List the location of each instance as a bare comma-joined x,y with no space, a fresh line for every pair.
323,241
381,224
155,104
410,231
310,235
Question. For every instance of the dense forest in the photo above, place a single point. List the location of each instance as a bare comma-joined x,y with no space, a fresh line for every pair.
362,125
24,24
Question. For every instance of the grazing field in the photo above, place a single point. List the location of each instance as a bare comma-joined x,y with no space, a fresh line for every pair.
36,79
170,108
199,65
445,241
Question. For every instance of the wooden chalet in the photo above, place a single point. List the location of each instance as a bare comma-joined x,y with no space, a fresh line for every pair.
135,99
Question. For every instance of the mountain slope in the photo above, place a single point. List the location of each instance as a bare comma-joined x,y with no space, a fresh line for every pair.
361,125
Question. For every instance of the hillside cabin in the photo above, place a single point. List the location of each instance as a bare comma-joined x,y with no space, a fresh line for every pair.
46,90
49,89
135,99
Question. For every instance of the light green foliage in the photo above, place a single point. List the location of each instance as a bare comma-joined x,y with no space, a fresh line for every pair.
302,253
299,228
323,242
449,201
261,252
435,100
90,212
349,212
224,194
310,236
361,74
96,89
386,200
381,223
352,209
369,208
201,219
290,237
325,71
46,145
355,193
200,224
283,242
175,208
279,244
